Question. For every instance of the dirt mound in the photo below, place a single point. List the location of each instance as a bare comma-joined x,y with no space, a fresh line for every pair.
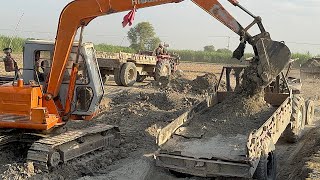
236,115
201,85
239,113
312,63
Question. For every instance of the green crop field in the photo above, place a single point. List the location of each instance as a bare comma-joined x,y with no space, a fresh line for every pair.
186,55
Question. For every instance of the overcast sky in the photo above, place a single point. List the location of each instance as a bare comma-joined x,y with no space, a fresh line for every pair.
182,25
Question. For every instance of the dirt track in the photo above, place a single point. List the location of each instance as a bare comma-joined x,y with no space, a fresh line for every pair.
140,111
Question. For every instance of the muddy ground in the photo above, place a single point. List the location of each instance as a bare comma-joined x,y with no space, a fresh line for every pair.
140,112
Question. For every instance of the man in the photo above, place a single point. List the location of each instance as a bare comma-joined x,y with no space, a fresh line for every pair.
39,67
160,50
10,64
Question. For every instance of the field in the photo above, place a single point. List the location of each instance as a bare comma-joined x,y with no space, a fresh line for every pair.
140,112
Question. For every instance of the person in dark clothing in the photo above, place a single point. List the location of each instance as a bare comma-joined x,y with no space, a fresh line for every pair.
160,50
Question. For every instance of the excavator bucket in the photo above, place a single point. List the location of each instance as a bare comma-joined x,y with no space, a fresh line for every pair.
273,56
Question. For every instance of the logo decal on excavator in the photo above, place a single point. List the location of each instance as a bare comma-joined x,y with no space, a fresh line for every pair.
145,1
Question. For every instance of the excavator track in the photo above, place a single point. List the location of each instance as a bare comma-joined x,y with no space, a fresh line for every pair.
50,152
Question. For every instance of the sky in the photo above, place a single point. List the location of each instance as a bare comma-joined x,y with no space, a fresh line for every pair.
183,25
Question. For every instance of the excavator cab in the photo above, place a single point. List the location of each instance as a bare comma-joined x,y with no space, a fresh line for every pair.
89,88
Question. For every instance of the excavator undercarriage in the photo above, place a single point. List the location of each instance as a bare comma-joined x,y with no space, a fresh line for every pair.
48,151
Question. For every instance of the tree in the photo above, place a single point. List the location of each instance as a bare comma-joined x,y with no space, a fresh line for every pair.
209,48
143,37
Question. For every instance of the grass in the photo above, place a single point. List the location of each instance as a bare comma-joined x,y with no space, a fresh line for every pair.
16,44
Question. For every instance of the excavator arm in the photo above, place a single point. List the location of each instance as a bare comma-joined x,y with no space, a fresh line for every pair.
80,12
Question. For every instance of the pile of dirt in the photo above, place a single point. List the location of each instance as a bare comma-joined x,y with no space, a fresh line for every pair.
12,164
310,69
201,85
236,115
312,63
17,171
240,113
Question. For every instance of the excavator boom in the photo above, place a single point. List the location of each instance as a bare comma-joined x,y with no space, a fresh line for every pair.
80,12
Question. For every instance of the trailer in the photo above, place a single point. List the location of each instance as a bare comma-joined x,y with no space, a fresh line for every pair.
128,68
249,155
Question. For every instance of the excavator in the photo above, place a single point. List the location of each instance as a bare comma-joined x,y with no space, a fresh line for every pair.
29,108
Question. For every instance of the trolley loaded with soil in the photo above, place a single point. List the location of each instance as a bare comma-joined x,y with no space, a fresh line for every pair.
129,68
233,133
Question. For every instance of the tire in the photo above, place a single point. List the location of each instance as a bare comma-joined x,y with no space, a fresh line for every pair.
141,78
309,112
163,68
116,73
128,74
294,130
105,78
267,167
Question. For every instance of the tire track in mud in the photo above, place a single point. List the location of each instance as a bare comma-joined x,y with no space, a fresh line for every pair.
292,157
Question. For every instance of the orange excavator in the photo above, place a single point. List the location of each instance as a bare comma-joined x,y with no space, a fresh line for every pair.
28,107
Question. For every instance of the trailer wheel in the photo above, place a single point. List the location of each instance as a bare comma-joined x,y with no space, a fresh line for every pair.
141,78
128,74
309,112
116,73
163,68
294,130
267,167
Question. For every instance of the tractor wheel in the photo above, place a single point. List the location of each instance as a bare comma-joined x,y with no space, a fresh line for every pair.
163,68
128,74
294,130
116,73
267,167
141,78
309,112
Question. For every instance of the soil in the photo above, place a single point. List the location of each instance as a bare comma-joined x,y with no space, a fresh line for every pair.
236,115
312,63
240,113
201,85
